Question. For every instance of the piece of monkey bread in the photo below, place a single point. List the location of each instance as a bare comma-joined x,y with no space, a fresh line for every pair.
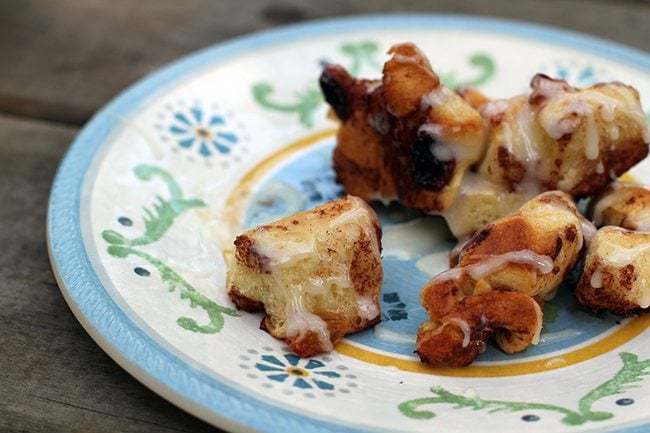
565,138
316,274
616,274
623,204
404,137
556,137
529,252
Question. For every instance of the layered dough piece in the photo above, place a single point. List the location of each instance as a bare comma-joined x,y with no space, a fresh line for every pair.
560,137
557,137
623,204
616,275
316,274
529,252
404,137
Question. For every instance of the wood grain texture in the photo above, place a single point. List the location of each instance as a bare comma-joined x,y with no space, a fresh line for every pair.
61,61
53,377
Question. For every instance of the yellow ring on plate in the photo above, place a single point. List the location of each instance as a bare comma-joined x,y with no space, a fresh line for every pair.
633,328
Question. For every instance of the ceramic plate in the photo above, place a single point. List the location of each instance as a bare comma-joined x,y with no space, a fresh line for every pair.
158,182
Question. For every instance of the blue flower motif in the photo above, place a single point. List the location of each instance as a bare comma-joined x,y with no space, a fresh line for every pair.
304,373
205,132
576,73
321,188
396,308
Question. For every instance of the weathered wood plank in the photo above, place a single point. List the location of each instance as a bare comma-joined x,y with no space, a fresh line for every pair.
63,59
53,377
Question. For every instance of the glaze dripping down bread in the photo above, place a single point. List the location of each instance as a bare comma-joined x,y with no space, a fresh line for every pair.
623,204
529,252
616,275
407,137
315,274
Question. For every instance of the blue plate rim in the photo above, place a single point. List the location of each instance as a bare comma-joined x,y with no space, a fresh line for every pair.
138,353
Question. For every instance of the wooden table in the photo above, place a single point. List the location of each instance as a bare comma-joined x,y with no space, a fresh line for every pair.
62,60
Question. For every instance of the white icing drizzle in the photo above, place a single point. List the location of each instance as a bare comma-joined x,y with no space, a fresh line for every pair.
443,153
622,256
367,308
549,88
600,168
592,139
299,323
579,106
494,108
493,263
288,251
401,58
464,326
309,241
483,268
588,230
437,97
596,279
445,149
371,86
566,120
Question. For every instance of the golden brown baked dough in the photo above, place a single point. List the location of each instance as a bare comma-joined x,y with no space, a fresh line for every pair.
530,252
616,274
514,319
623,204
561,137
406,137
316,274
557,137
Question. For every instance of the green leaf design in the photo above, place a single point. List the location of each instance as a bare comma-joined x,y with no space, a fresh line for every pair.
160,216
484,70
174,282
157,220
113,237
631,373
411,408
305,104
360,53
